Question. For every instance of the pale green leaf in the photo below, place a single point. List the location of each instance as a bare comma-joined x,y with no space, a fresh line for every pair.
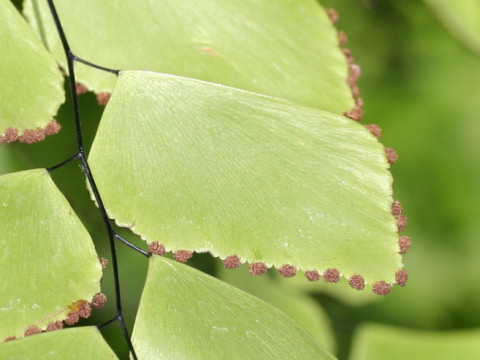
186,314
288,49
31,86
341,291
461,18
380,342
202,167
78,343
306,311
48,261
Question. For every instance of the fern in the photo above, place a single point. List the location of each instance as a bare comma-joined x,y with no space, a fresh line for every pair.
230,128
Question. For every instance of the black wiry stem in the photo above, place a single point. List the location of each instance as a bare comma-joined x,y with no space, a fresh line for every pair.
128,243
63,163
112,320
81,155
76,58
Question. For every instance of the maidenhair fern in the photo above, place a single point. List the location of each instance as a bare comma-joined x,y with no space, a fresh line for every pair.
230,128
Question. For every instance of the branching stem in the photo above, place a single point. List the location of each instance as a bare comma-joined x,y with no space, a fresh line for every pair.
95,66
71,58
63,163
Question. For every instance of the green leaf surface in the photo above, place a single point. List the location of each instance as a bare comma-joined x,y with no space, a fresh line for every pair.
279,294
186,314
379,342
461,18
341,291
31,86
202,167
287,49
48,261
78,343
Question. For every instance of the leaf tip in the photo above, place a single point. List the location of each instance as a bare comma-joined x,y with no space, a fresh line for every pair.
382,288
342,38
392,155
54,325
10,135
183,255
375,130
331,275
78,309
401,277
397,208
333,15
232,262
30,136
53,127
72,318
81,89
99,300
354,73
288,271
10,338
32,330
404,242
312,275
357,282
156,248
349,55
356,113
402,222
103,98
257,268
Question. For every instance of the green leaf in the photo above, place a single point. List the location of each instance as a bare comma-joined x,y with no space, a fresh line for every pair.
287,49
186,314
340,291
279,294
379,342
48,262
31,89
77,343
202,167
461,18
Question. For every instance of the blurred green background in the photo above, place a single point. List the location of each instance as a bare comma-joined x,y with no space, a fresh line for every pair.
421,86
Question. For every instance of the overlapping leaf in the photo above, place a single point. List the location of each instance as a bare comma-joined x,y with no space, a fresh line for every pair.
31,89
378,342
78,343
186,314
462,18
48,262
306,311
287,49
202,167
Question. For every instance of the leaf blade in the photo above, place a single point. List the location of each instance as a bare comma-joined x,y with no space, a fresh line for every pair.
245,174
186,314
285,49
375,341
59,265
32,85
77,343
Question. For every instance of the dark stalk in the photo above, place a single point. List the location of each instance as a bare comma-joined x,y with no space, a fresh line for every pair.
71,58
105,324
95,66
128,243
63,163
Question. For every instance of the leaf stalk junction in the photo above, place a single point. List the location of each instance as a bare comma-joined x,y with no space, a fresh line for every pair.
81,155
